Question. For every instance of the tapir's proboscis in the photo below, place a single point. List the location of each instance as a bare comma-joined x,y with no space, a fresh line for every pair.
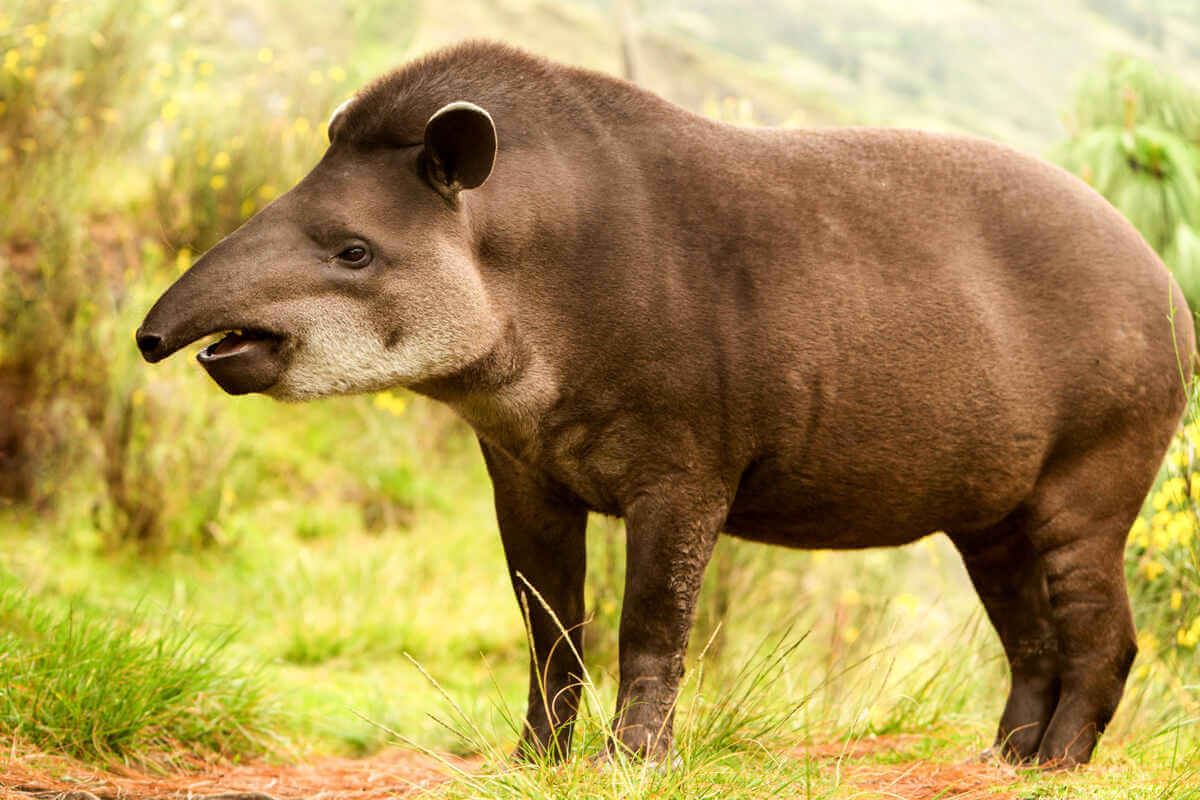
836,338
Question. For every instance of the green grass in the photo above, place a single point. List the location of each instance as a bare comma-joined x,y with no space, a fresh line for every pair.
79,682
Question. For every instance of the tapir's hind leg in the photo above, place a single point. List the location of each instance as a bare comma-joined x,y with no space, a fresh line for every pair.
1082,555
1052,578
1009,579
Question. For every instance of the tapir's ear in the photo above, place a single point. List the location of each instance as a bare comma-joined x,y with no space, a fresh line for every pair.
460,147
336,117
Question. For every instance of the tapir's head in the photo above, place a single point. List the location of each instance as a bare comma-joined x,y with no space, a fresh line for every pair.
359,278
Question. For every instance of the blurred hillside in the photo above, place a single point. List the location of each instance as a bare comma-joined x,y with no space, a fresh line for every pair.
1001,68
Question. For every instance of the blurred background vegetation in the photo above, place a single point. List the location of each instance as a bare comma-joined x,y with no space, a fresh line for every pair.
303,550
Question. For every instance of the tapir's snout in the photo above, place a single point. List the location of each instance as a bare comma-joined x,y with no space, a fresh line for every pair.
151,345
217,296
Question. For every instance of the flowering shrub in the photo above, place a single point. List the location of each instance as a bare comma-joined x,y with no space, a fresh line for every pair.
1161,556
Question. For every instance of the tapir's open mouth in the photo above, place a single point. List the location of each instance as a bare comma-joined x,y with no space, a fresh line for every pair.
244,360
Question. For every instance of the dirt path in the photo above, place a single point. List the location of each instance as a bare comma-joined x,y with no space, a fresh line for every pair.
400,773
390,773
951,776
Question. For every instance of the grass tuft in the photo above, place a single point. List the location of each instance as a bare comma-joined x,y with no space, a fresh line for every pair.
75,682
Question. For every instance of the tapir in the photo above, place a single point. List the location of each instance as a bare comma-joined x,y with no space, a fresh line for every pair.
830,338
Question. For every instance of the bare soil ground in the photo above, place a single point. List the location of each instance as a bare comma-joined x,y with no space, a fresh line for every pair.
390,773
405,773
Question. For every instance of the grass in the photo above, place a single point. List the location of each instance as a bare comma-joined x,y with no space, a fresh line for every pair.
81,683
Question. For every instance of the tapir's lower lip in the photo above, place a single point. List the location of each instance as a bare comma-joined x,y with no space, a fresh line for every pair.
244,361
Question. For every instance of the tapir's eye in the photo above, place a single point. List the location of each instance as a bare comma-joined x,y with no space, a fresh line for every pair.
355,256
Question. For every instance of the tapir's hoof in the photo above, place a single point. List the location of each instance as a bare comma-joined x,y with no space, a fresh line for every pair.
605,758
994,755
984,757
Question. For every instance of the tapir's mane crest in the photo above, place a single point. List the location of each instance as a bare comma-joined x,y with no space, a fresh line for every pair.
518,89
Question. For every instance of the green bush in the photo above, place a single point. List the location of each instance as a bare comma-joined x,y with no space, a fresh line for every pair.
1135,137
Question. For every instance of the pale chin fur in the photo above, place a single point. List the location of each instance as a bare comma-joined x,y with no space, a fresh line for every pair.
339,353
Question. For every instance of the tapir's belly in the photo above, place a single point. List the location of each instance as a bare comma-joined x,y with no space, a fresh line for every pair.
833,501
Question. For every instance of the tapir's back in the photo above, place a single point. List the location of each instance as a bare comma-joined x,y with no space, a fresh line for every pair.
940,317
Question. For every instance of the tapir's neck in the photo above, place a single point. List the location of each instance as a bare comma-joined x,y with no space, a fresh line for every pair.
502,395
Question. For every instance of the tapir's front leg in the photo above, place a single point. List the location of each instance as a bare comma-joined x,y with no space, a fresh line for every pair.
669,539
544,541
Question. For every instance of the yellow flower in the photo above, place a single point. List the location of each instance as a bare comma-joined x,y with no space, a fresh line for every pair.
1159,501
1175,490
6,155
1180,528
11,59
183,259
77,77
38,41
266,55
908,603
221,161
217,182
1160,519
301,125
165,68
1147,642
1176,600
1191,432
29,73
850,597
247,207
1153,569
1161,539
850,634
170,110
1140,528
204,68
337,74
266,192
392,403
1187,638
928,544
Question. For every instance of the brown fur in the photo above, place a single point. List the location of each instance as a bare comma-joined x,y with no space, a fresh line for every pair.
836,339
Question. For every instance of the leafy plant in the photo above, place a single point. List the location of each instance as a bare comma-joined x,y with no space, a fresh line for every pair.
1135,137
